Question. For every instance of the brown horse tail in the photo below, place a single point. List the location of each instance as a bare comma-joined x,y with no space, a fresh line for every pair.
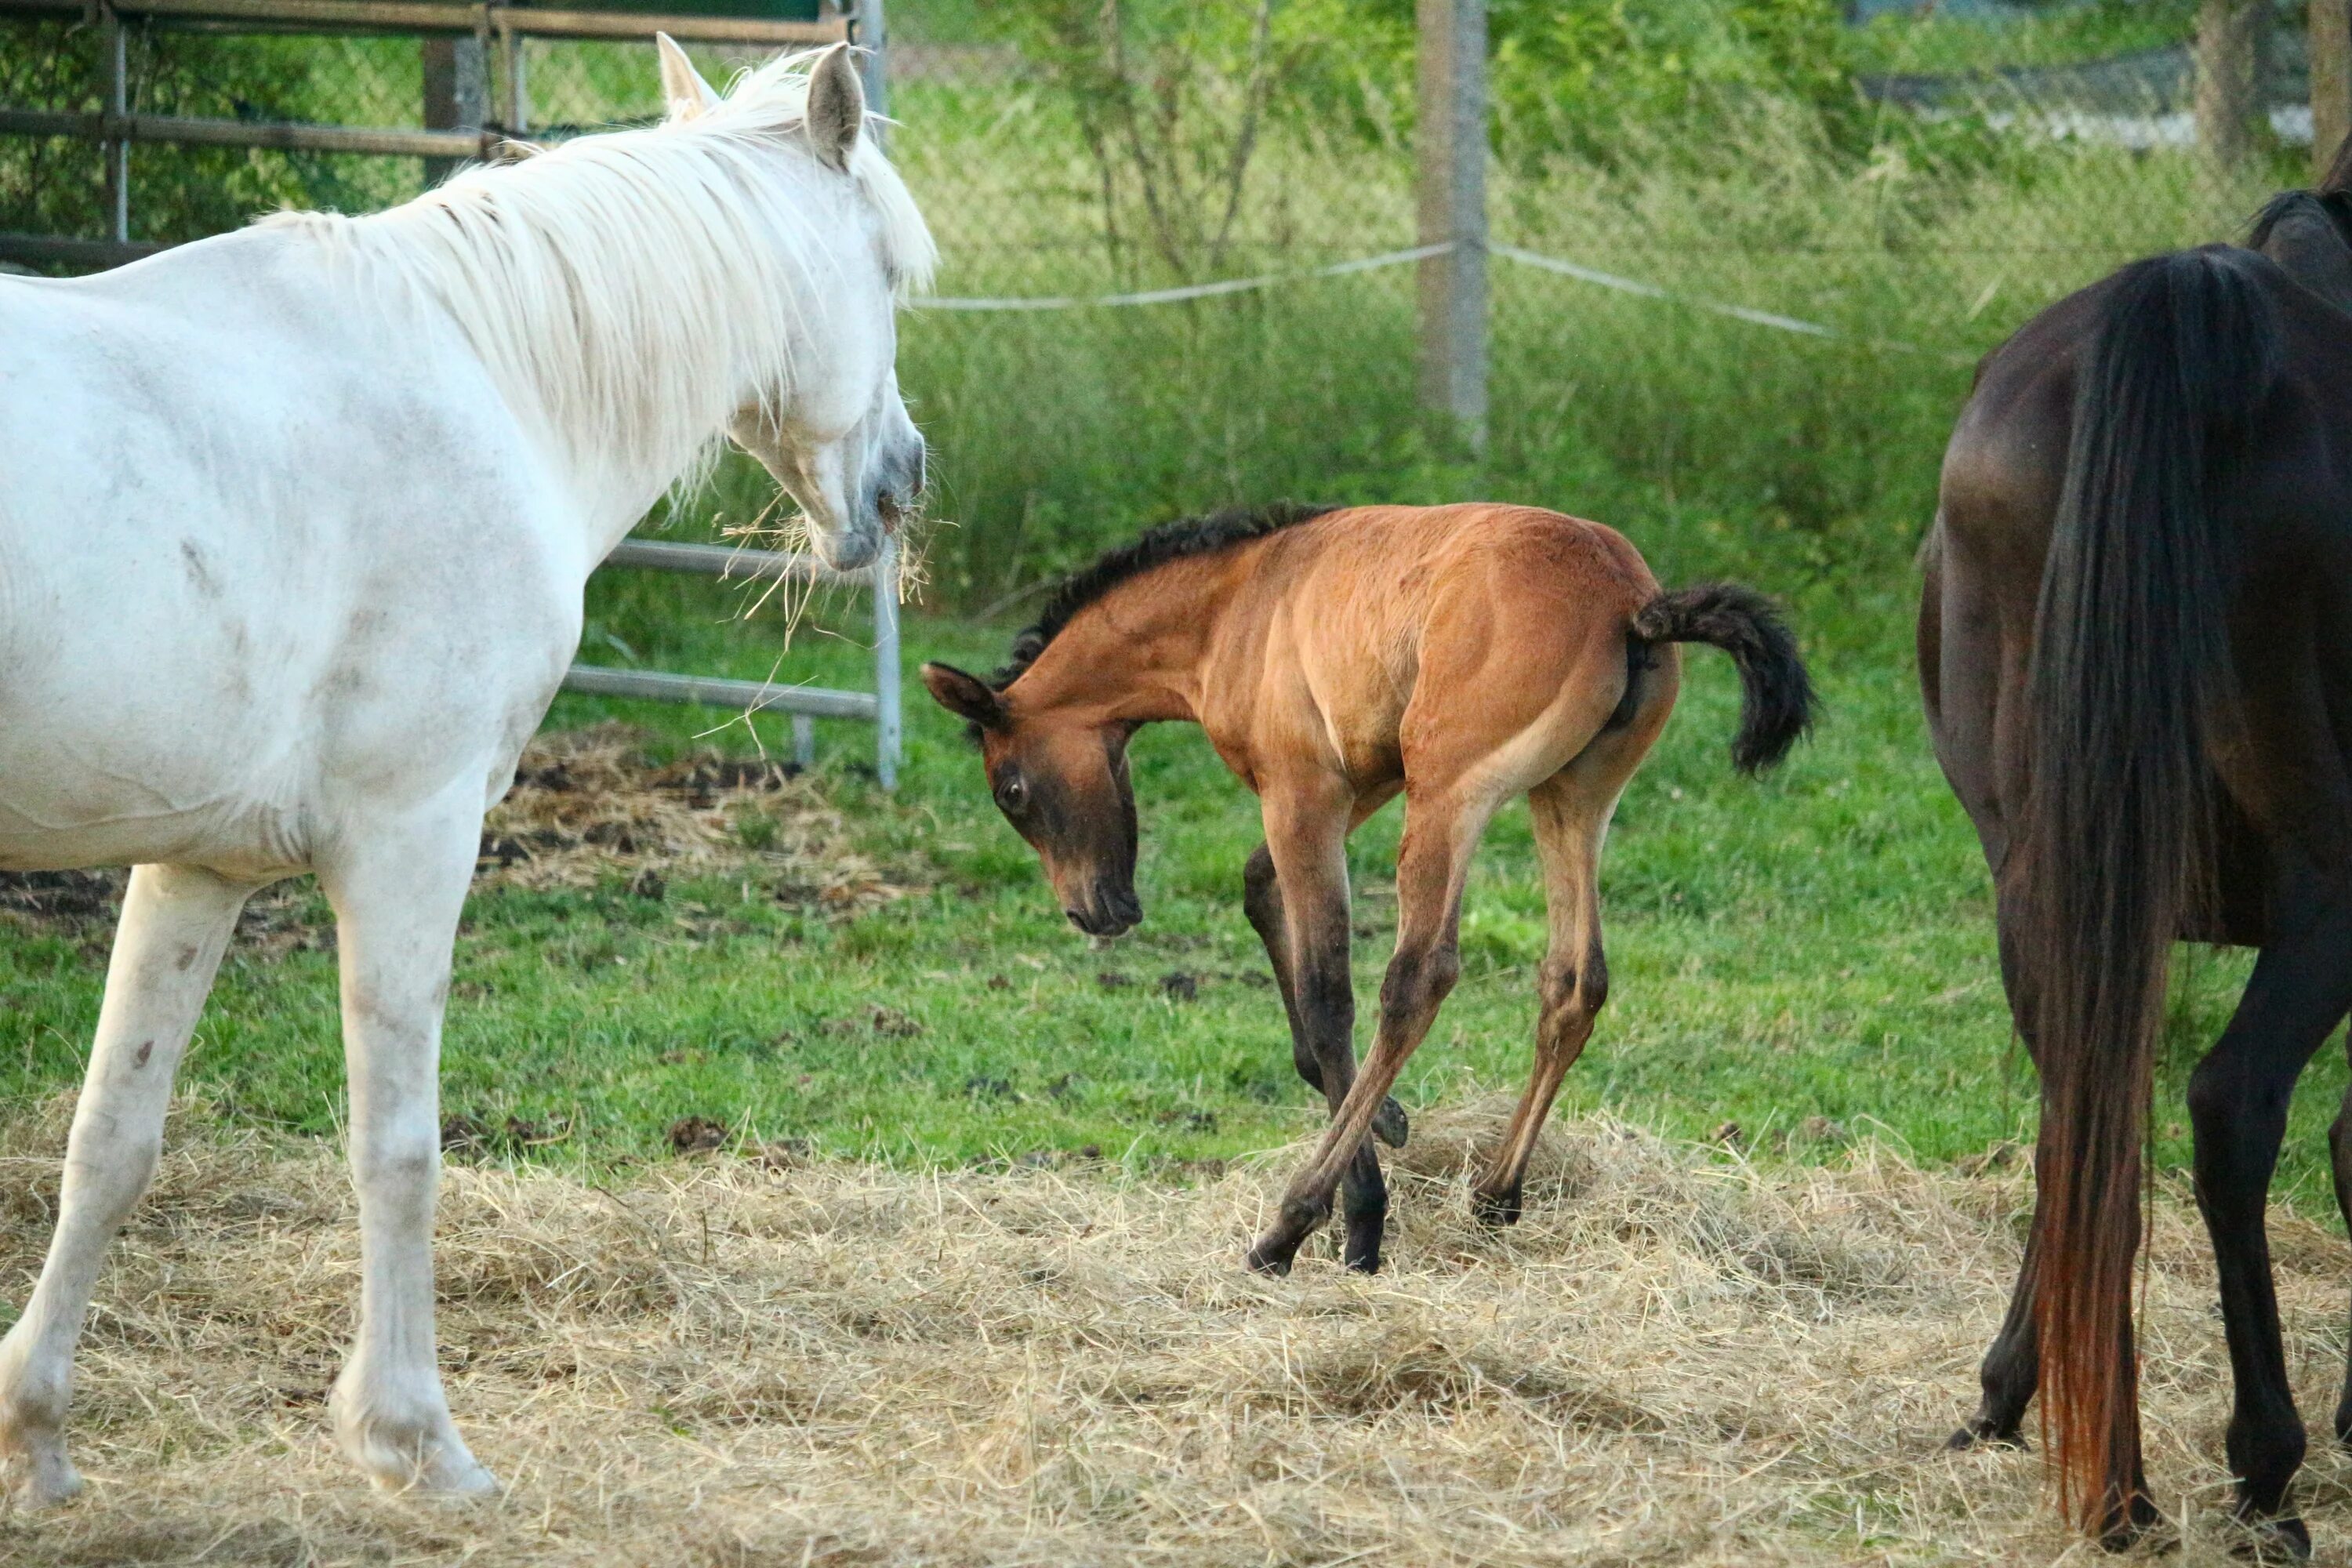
1776,695
2129,688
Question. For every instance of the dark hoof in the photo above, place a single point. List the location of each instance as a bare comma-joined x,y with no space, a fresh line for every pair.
2344,1423
1368,1262
1389,1123
1495,1208
1983,1434
1272,1256
2127,1529
2271,1541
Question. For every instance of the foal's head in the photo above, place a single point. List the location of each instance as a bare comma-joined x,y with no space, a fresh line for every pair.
1060,778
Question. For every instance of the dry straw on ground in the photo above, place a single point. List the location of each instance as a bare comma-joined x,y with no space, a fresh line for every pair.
733,1362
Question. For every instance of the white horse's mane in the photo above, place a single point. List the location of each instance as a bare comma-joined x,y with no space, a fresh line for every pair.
629,286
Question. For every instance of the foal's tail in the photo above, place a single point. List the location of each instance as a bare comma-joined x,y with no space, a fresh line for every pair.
2129,691
1776,695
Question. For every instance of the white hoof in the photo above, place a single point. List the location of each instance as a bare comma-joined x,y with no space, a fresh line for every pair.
36,1472
417,1454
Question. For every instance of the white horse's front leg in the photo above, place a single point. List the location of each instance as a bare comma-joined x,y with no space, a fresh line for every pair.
397,895
175,923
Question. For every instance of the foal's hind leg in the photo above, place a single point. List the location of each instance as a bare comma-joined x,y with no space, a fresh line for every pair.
397,893
175,923
1570,812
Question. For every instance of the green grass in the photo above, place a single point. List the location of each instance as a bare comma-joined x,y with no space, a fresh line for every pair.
2059,34
1815,945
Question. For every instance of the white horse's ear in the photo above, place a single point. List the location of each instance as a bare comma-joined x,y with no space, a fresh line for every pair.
836,107
688,94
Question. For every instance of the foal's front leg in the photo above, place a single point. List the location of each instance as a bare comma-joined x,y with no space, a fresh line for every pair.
176,921
1442,829
397,894
1262,902
1304,910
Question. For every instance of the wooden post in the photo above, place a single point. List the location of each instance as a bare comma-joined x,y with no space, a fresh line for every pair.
867,31
457,94
1451,145
2229,87
2331,82
117,148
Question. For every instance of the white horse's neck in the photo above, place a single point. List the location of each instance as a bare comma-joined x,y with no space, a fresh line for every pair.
630,293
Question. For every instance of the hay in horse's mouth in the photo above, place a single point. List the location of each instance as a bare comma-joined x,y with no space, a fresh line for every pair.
1676,1357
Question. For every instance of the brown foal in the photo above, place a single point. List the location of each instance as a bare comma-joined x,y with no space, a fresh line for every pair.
1462,655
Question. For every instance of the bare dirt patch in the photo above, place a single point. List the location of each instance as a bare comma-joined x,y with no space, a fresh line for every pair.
733,1360
588,806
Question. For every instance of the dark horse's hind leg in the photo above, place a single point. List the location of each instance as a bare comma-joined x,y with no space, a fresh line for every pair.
2238,1096
1322,1045
2339,1150
2012,1367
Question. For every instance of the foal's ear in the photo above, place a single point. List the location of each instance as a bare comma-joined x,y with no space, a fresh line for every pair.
836,107
965,696
682,86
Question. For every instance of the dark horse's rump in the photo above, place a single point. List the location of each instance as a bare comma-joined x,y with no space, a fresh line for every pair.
2134,650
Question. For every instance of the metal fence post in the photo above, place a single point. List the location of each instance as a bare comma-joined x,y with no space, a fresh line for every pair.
2331,82
1451,147
117,146
870,34
888,725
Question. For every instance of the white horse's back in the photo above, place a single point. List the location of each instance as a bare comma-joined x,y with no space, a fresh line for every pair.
243,589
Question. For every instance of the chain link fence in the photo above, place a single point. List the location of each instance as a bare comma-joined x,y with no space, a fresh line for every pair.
1743,317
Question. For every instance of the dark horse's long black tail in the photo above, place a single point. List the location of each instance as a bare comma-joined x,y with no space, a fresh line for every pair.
2129,685
1776,695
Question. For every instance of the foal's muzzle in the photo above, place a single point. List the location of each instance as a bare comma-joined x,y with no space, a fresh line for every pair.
1109,914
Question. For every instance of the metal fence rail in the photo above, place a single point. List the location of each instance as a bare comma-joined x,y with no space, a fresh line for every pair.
804,704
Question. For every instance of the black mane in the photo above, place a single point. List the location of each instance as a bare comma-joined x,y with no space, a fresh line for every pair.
2336,206
1157,547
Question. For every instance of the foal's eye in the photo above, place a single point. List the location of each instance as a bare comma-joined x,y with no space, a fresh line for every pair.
1013,792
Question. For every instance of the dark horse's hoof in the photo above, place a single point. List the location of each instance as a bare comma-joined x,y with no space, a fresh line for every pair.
1983,1434
1495,1208
2280,1539
1389,1123
2127,1528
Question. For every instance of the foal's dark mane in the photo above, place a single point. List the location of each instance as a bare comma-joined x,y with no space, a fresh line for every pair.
1175,541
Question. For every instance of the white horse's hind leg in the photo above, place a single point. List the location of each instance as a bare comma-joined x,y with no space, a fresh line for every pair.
175,923
397,896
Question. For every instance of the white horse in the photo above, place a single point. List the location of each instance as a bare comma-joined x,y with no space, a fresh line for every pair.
293,529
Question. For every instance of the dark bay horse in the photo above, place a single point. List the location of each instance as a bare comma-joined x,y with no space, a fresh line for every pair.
2136,649
1461,655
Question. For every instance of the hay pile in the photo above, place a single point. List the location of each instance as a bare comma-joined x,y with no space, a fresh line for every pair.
587,806
738,1362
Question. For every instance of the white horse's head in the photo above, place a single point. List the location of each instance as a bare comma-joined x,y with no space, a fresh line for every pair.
828,422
